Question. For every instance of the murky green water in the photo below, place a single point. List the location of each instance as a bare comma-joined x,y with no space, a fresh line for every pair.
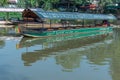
90,58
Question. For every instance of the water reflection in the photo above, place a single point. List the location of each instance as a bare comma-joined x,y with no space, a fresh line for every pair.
68,61
54,47
2,43
101,50
95,53
94,57
7,31
115,56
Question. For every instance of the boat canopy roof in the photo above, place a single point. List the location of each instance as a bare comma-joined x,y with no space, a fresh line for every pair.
69,15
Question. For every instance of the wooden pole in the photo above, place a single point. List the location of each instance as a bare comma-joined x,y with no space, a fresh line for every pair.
83,23
50,23
43,24
7,16
95,23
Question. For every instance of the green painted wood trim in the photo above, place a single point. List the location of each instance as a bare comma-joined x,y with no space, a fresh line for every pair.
68,32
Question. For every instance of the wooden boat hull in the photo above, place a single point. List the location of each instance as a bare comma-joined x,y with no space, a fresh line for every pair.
80,31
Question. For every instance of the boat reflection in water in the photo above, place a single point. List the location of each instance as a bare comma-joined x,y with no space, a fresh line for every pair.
27,42
54,45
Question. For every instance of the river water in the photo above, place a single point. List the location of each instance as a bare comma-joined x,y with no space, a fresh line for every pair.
58,58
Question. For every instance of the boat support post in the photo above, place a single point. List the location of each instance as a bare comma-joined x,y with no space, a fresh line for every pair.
50,23
83,23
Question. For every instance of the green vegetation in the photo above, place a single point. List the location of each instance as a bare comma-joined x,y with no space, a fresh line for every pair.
69,5
3,2
12,15
112,8
48,4
60,5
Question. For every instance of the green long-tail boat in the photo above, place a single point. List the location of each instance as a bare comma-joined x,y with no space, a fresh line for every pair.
39,23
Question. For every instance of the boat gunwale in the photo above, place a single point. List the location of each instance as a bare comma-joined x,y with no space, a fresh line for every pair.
99,30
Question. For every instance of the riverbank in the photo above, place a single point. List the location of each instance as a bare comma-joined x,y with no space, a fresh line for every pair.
6,26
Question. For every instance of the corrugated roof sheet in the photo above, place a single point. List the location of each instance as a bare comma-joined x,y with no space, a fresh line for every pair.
72,15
